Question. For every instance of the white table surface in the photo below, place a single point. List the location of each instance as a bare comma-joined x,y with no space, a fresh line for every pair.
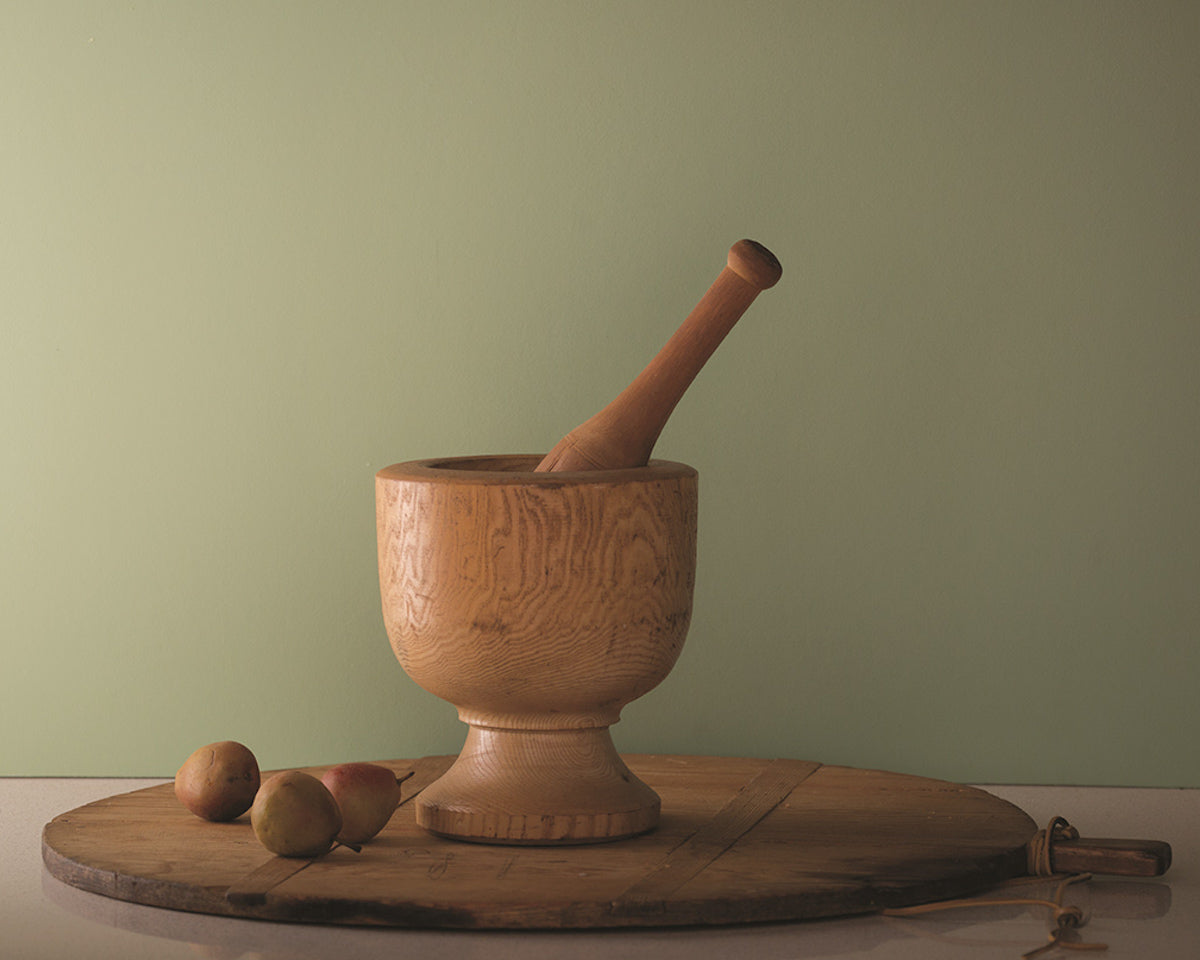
44,919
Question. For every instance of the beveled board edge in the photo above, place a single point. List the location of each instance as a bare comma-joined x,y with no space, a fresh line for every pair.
671,910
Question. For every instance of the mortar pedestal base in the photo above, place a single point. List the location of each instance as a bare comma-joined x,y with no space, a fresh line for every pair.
538,787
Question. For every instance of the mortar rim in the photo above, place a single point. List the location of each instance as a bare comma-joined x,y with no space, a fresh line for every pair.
456,470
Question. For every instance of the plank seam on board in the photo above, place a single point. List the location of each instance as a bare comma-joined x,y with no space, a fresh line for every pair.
757,798
252,889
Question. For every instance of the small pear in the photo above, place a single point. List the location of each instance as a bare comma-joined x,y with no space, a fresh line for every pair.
367,795
218,782
294,815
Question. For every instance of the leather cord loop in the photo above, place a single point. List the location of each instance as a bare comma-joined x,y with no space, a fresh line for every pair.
1040,853
1067,918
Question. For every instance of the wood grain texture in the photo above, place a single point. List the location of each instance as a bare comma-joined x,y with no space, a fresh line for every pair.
624,433
539,605
762,794
819,841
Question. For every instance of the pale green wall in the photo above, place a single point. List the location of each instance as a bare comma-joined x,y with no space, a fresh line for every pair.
950,467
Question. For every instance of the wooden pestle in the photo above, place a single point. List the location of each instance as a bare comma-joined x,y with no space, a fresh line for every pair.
624,432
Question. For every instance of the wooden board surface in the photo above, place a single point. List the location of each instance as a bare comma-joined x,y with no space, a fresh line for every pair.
740,840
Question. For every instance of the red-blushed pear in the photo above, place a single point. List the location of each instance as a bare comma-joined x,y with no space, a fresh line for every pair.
218,781
367,795
295,816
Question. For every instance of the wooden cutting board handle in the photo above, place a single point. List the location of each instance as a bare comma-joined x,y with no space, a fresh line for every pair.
1124,858
624,433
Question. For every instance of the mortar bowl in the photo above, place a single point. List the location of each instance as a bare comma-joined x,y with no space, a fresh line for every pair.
539,605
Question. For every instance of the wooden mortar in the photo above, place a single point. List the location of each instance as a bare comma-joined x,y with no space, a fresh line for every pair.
539,604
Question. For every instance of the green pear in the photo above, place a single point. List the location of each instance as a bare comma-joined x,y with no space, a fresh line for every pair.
218,782
367,794
294,815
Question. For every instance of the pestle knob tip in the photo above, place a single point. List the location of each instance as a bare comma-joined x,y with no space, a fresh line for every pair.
755,264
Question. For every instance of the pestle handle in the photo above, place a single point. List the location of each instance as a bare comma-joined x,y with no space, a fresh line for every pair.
624,433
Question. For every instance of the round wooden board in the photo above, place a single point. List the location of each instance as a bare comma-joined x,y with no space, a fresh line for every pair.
740,840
